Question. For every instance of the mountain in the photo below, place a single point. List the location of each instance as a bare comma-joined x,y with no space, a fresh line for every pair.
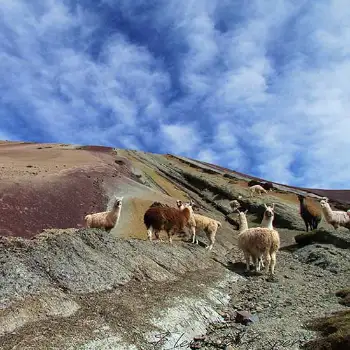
67,287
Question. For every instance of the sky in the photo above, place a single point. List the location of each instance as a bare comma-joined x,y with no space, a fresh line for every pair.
261,87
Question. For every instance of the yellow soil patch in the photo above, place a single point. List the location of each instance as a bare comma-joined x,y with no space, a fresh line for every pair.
288,197
166,185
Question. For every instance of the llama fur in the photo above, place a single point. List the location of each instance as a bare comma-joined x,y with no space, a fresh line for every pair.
256,243
201,222
257,189
159,204
253,183
105,220
310,213
171,220
336,218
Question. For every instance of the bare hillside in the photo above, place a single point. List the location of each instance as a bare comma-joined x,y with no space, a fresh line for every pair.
67,287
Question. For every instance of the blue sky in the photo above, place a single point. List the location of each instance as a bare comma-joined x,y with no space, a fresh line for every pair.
262,87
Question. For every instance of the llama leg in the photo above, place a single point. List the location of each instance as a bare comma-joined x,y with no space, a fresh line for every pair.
150,233
257,263
261,262
170,235
268,262
247,262
194,240
211,238
156,233
273,263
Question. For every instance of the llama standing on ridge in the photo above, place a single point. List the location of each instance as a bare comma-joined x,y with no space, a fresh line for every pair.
171,220
256,189
336,218
257,242
208,225
105,220
310,213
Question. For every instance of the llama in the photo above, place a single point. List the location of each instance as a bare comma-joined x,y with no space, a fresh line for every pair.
335,218
235,203
257,189
268,217
310,213
268,186
168,219
253,183
257,242
105,220
208,225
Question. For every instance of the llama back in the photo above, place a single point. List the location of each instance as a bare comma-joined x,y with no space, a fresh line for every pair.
259,240
164,217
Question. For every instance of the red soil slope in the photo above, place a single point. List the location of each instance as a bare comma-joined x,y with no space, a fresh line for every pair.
53,186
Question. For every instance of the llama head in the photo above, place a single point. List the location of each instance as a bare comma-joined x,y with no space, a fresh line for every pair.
242,214
324,203
269,211
118,202
179,203
234,204
187,205
301,198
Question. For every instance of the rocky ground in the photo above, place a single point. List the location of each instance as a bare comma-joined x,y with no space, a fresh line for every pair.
86,289
307,280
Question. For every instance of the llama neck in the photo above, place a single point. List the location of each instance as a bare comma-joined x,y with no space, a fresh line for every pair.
267,222
114,215
327,212
301,206
243,223
187,214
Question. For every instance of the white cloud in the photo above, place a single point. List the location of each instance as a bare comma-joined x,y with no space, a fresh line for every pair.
181,139
207,155
261,88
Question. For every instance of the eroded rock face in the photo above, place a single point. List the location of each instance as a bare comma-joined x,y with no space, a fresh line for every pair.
325,256
37,274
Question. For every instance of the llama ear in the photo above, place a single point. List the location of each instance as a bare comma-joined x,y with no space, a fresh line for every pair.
246,211
265,205
273,205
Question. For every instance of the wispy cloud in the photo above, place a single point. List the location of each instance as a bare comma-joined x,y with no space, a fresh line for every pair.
261,88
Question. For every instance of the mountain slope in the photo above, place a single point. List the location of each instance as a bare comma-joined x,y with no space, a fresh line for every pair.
75,288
